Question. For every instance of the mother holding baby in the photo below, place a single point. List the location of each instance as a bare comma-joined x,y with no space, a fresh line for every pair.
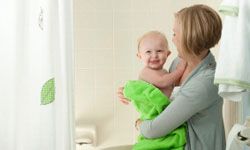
195,101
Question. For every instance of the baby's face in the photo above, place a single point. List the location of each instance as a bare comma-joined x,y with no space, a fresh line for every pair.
153,52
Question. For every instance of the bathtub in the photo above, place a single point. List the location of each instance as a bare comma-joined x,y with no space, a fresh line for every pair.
121,147
89,147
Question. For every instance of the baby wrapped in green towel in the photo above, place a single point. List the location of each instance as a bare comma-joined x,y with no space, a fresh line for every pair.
150,94
149,101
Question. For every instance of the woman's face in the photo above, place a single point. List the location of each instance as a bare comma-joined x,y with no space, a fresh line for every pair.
177,36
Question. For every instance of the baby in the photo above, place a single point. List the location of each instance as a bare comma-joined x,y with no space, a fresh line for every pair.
145,95
153,51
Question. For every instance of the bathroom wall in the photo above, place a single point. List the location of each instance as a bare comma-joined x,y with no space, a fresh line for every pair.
106,33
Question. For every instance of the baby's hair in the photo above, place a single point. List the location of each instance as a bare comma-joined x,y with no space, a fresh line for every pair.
200,27
154,32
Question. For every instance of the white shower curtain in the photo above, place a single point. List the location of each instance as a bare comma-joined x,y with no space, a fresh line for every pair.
36,100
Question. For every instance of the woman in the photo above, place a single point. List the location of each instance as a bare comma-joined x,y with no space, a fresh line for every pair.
195,98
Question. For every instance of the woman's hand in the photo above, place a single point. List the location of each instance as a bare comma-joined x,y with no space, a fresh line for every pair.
138,124
121,96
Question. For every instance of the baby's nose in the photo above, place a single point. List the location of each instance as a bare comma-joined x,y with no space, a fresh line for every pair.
155,54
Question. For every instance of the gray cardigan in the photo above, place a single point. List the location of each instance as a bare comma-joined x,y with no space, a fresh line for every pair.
196,103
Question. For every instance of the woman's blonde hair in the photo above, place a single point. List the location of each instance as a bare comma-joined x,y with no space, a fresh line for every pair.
200,27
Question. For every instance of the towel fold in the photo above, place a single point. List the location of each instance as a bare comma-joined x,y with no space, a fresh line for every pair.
229,7
233,71
149,101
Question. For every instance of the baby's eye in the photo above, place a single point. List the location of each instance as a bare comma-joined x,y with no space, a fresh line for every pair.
159,51
148,52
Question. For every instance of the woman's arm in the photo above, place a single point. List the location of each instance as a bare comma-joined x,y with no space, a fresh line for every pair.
192,98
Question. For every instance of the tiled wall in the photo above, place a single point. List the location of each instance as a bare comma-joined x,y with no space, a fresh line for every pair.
106,33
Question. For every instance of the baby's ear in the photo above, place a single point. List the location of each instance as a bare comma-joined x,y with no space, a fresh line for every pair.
138,55
168,52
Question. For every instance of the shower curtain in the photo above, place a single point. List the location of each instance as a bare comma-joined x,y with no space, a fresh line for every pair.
36,100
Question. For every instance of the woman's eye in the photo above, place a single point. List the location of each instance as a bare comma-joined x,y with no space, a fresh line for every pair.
173,34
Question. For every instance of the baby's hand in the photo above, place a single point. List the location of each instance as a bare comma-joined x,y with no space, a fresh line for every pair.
121,96
181,65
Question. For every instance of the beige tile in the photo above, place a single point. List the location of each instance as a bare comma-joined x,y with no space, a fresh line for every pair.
162,5
84,59
84,5
84,105
84,78
104,39
85,20
93,20
93,39
124,115
122,5
85,39
162,21
137,65
123,20
123,136
141,5
123,58
104,78
104,20
104,97
124,120
123,40
103,60
103,113
104,5
142,20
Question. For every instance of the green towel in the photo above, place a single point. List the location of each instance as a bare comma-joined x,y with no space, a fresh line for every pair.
149,101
